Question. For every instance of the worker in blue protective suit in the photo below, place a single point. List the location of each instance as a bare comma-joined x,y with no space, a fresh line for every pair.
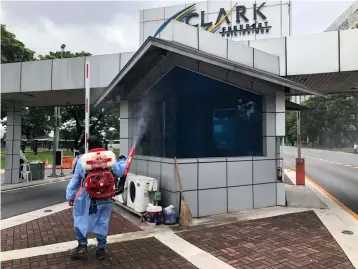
90,215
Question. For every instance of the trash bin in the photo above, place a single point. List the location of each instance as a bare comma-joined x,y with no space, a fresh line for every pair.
37,170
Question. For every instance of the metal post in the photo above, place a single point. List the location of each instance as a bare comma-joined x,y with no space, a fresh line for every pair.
54,145
87,103
300,163
298,135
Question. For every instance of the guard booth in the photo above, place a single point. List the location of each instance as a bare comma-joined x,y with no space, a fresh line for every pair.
219,112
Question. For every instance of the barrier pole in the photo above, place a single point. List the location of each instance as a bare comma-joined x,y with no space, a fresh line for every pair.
87,102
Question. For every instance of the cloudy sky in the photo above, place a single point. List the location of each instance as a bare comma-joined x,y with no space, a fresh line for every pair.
101,27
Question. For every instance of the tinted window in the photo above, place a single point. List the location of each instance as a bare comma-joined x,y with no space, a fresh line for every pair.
202,117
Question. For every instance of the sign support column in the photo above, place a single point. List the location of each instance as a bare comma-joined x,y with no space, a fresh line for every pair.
87,102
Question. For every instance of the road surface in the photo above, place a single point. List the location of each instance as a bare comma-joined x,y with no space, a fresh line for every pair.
27,199
336,172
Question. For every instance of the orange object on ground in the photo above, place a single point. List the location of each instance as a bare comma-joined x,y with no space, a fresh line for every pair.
67,162
300,172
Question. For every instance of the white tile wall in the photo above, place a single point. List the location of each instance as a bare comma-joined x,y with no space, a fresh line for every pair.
349,49
302,50
270,124
36,76
214,6
264,171
189,175
124,147
154,169
168,177
240,198
280,102
210,43
124,128
280,124
269,104
153,14
12,73
270,147
217,199
239,173
68,73
150,28
171,10
275,46
266,62
212,175
191,197
281,194
264,195
104,69
240,53
185,34
141,33
167,32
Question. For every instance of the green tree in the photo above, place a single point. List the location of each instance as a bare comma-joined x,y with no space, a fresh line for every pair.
66,54
291,127
12,49
329,122
35,122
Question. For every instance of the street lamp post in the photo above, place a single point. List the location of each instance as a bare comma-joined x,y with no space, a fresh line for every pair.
56,131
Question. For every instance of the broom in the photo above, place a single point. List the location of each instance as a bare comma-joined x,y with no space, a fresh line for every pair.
185,214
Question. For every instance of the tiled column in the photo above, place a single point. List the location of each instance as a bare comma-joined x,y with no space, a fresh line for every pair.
13,143
280,132
280,114
124,127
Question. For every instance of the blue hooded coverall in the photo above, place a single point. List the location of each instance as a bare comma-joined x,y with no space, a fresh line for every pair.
90,217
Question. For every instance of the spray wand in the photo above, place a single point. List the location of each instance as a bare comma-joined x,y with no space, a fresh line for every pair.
123,178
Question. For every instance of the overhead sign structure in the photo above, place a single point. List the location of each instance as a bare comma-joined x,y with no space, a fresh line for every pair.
243,25
87,102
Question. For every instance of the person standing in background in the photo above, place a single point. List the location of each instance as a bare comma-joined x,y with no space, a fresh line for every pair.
22,158
81,152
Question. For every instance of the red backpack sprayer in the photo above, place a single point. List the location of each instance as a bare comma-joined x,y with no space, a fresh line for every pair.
122,180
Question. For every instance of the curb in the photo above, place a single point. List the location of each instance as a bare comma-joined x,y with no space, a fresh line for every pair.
33,184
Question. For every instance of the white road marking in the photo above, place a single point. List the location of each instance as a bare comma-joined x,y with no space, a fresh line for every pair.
20,219
305,156
65,246
193,254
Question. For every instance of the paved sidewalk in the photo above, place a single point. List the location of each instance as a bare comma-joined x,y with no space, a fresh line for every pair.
270,238
55,228
142,253
298,240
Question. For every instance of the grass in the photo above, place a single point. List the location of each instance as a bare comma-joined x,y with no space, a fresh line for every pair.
42,155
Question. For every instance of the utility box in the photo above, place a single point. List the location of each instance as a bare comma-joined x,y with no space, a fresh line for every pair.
37,170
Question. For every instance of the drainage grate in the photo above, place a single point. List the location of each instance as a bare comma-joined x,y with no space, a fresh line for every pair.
47,210
347,232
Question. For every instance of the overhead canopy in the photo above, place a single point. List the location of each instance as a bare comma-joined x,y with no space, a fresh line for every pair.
156,57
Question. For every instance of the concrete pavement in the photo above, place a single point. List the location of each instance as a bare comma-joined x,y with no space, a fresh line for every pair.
336,172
